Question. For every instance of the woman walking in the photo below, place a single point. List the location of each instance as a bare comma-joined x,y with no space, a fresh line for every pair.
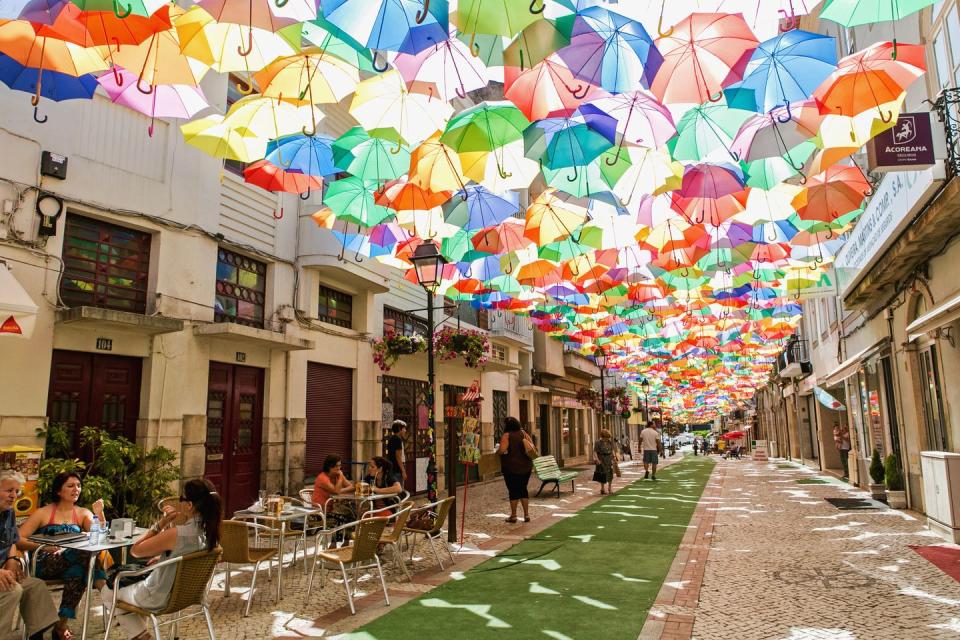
516,466
604,451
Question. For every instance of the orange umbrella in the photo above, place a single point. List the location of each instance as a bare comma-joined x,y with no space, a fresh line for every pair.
40,47
401,195
870,78
830,194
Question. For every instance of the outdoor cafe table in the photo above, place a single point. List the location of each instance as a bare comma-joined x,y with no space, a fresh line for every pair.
289,514
84,545
357,500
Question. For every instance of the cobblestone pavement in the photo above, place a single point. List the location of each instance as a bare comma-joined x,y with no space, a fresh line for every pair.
326,614
767,558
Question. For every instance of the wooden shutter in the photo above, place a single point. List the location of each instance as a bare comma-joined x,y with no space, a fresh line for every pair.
329,414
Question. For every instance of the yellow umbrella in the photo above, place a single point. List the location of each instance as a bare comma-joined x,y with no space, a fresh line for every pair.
216,138
271,119
651,171
311,76
436,167
550,218
384,103
483,167
218,44
159,60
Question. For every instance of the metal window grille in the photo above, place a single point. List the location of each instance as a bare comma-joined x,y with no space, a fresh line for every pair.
336,307
241,287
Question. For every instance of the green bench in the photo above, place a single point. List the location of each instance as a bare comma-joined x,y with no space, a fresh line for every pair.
548,471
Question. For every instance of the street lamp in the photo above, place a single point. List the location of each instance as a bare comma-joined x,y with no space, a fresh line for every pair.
645,386
600,357
428,263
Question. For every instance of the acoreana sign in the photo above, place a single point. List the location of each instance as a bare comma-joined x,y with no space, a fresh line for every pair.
907,146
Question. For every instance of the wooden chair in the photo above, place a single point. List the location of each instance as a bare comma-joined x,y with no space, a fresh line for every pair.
190,587
361,554
397,514
442,509
235,539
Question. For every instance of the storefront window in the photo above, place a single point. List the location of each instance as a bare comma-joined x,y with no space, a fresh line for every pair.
932,401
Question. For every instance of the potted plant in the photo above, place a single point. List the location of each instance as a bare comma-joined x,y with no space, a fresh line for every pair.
387,350
877,488
896,496
589,397
472,346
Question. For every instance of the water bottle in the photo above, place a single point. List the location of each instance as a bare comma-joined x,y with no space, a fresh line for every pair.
94,535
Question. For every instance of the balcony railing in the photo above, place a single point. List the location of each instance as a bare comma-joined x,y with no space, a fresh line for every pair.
510,326
948,112
794,362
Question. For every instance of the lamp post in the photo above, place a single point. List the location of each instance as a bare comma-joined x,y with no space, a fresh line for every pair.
645,386
428,263
600,358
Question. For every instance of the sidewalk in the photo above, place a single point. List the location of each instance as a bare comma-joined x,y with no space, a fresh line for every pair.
770,559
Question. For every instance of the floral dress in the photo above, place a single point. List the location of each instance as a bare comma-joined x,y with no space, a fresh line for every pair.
604,449
70,565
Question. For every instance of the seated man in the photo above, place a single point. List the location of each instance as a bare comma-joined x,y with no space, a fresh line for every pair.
19,592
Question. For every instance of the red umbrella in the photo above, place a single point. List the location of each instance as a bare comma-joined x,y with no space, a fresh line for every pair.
732,435
272,178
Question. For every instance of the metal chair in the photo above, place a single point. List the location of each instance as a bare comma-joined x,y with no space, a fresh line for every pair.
235,539
397,514
442,510
190,587
361,554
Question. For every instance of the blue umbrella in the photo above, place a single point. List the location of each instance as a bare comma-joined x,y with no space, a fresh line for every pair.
310,155
407,26
573,141
611,51
477,207
53,85
784,69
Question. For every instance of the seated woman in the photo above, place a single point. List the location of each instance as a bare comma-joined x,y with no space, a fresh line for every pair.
55,563
330,482
381,479
200,532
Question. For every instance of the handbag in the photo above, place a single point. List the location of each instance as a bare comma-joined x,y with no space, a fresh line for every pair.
530,449
422,521
599,475
125,581
616,468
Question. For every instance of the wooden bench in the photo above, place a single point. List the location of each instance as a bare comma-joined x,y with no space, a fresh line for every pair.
548,471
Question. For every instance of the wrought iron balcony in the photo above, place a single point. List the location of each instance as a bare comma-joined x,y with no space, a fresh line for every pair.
794,361
508,326
947,107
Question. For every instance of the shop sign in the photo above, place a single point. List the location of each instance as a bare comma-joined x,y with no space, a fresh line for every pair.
565,401
908,145
888,213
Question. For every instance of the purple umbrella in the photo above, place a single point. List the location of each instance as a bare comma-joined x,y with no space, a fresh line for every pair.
165,101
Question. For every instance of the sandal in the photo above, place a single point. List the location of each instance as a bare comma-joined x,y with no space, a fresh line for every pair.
62,633
526,518
511,520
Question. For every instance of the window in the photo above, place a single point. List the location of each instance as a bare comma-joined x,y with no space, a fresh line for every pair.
335,307
932,400
241,286
403,323
104,265
233,95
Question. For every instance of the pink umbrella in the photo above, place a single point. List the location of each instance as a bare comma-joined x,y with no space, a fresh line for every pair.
641,119
165,101
449,66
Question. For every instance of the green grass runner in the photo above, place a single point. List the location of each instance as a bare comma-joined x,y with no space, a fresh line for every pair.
591,575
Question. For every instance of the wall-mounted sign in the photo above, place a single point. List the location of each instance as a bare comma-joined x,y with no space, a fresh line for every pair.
104,344
241,356
907,146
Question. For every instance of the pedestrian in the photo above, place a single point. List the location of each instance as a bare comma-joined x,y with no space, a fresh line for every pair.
694,446
516,465
18,591
604,453
841,438
395,452
650,445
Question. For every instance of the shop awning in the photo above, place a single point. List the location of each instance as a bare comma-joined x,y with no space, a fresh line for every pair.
18,313
940,316
850,366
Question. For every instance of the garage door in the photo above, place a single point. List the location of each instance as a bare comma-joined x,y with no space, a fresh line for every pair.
329,415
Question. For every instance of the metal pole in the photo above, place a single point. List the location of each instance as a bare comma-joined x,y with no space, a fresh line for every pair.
603,397
451,435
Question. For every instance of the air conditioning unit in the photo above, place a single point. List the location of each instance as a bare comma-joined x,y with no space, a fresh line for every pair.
941,492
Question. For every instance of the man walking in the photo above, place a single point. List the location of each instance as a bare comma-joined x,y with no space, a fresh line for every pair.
395,452
650,445
694,446
19,592
841,438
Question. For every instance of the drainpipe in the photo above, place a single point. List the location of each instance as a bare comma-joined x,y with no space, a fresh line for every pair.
901,429
286,424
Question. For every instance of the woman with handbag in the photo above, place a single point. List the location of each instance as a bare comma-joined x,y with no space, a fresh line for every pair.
516,462
604,456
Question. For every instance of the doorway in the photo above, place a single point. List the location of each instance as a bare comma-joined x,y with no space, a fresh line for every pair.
92,389
234,423
406,399
545,439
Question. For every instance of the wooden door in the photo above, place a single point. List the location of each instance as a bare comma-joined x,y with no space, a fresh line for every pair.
329,416
234,423
92,389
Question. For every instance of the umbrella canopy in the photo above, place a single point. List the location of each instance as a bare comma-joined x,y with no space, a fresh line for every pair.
410,26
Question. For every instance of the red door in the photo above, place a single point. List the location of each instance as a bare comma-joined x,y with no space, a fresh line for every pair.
234,420
92,389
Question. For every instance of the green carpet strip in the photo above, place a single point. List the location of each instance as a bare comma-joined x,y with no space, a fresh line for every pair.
591,575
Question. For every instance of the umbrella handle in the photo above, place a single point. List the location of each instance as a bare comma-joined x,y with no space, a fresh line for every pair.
716,98
886,118
460,91
503,174
660,31
789,115
573,178
580,92
829,233
893,53
146,92
249,48
306,196
377,68
356,256
536,11
36,117
474,47
121,14
246,87
735,156
616,158
279,4
395,150
422,13
278,217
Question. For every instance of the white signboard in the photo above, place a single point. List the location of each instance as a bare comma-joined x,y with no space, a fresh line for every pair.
888,213
422,474
760,450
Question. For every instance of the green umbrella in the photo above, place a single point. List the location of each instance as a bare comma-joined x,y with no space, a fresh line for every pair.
851,13
120,8
370,158
352,199
537,41
489,48
455,247
705,129
320,33
485,127
561,250
495,17
596,177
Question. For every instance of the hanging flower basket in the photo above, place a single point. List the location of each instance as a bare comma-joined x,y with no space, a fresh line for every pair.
625,415
387,350
589,397
472,346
